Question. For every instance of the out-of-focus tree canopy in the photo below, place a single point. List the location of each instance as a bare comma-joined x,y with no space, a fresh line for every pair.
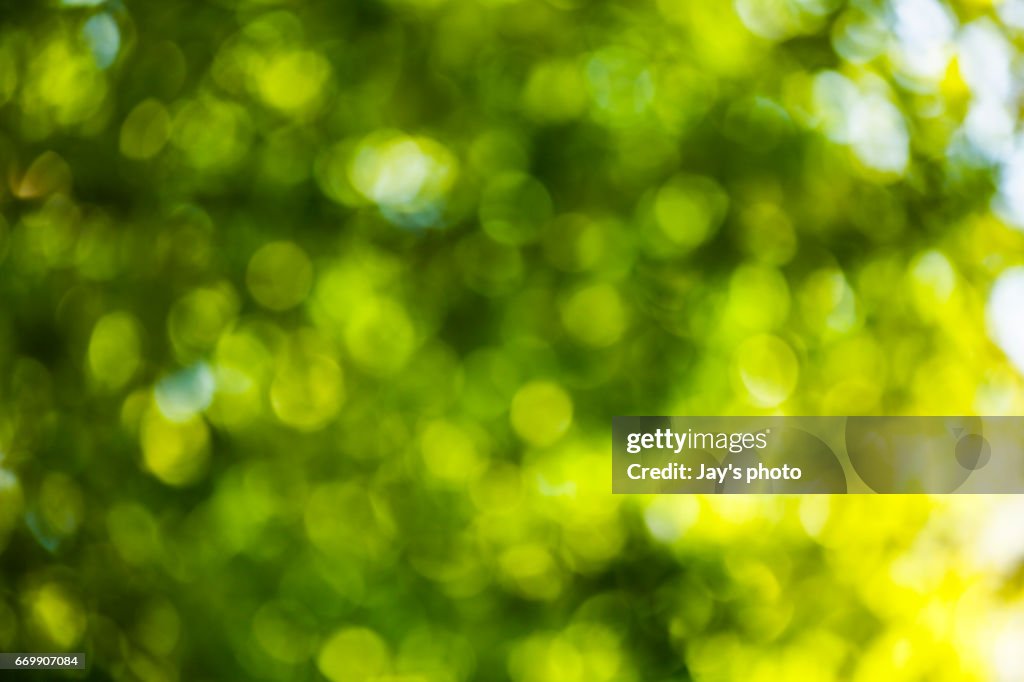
314,315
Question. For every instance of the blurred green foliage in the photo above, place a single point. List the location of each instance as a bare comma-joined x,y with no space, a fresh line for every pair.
313,317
